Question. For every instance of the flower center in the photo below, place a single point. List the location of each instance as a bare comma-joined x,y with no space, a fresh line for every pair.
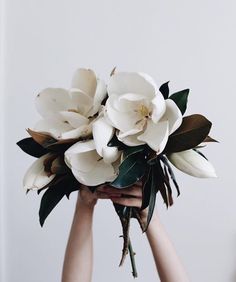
143,111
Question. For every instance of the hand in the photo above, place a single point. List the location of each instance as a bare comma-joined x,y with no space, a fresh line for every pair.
89,199
130,197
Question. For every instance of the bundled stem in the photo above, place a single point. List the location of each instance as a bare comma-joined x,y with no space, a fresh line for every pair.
132,259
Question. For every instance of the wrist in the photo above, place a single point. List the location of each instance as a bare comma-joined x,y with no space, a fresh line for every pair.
144,215
85,205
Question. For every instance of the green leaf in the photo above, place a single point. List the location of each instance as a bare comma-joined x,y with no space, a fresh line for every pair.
164,89
153,193
171,172
133,150
161,183
32,148
130,171
54,194
193,130
200,153
181,99
146,189
115,142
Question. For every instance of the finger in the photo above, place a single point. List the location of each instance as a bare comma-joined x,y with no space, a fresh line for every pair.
104,195
129,202
135,191
101,195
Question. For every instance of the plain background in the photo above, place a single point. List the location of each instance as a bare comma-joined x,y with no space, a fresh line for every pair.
190,43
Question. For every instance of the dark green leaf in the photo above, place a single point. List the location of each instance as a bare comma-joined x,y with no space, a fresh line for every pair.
54,194
181,99
153,193
200,153
130,171
115,142
169,190
193,130
164,89
171,173
32,148
146,189
133,150
161,183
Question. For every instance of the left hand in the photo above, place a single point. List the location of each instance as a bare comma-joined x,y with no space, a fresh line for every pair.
89,199
130,196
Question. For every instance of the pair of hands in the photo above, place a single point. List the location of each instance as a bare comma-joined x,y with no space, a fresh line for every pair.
131,196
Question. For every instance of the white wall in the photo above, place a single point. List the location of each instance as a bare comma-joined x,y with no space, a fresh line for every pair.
190,43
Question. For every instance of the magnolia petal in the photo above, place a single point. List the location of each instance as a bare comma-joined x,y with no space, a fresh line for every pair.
158,107
35,177
82,156
52,126
83,131
102,134
87,166
99,96
80,147
131,102
130,140
124,121
134,131
52,100
155,135
131,82
100,174
83,162
82,103
74,119
192,163
85,80
173,115
110,154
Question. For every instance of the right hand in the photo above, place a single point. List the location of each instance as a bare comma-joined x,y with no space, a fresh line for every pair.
130,197
89,199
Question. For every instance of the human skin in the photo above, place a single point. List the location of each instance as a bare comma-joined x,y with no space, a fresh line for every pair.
78,262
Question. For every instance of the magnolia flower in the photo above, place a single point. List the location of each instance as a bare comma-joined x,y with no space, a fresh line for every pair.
36,177
67,113
139,111
93,162
192,163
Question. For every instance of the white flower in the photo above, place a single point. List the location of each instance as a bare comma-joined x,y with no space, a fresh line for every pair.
66,113
36,177
139,111
192,163
93,162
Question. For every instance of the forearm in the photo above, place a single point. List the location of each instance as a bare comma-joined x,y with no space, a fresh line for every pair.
168,264
78,261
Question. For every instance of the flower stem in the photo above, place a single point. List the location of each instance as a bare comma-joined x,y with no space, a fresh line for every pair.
132,259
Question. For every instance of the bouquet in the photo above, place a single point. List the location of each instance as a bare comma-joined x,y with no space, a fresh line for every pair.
118,133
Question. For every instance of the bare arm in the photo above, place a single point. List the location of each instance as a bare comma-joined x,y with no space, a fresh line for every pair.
168,264
78,261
